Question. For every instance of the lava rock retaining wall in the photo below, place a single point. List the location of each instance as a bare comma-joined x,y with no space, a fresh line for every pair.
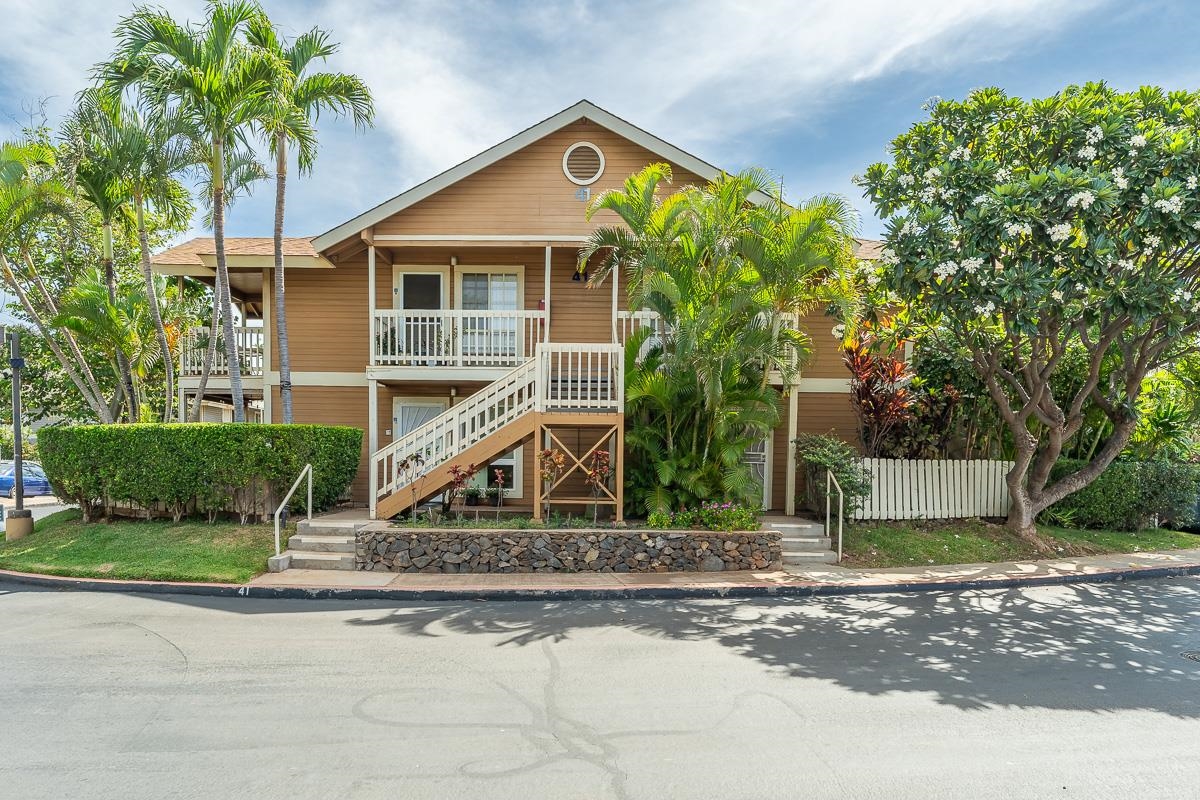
600,550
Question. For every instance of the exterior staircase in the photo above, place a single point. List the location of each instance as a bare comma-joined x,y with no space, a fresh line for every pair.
560,379
804,542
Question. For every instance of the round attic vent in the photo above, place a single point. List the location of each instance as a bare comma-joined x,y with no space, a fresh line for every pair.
583,163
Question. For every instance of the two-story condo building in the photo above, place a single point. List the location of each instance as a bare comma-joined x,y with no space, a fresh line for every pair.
449,320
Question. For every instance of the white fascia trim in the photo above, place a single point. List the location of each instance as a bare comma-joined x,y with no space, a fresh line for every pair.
448,375
824,385
479,237
581,110
322,378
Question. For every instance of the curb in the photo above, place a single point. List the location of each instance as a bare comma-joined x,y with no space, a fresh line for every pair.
722,591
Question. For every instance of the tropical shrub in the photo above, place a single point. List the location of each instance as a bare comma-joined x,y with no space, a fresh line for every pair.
726,268
208,468
823,453
1129,495
1039,230
708,516
879,395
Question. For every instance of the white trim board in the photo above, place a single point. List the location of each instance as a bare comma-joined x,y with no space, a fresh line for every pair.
321,378
824,385
581,110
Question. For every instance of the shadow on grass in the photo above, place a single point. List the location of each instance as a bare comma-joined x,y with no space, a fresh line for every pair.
1096,648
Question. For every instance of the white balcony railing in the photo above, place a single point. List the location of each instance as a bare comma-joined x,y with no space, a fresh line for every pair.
250,342
455,337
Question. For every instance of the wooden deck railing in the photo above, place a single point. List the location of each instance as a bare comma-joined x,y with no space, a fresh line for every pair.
250,342
455,337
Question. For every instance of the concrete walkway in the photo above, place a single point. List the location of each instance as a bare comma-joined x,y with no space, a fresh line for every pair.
823,580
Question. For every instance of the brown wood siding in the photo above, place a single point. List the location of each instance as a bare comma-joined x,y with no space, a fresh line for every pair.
826,359
527,192
327,319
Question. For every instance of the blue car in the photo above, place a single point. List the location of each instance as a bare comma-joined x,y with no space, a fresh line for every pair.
35,479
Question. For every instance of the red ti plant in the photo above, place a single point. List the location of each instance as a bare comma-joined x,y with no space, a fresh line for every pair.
498,476
596,477
460,476
879,394
551,463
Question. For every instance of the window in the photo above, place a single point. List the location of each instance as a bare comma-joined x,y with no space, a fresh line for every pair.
487,338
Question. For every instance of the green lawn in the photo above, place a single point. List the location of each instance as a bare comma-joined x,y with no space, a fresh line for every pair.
905,544
62,544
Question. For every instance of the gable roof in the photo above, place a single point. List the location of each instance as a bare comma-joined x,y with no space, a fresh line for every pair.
869,249
189,253
581,110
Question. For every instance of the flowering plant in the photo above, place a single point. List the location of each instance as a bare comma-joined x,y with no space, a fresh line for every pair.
1032,229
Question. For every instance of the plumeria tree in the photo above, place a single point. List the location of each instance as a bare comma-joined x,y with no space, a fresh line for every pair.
1033,230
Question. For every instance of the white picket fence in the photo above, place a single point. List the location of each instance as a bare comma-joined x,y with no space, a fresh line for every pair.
935,489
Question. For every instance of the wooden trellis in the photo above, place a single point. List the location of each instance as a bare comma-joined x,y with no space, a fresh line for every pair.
614,434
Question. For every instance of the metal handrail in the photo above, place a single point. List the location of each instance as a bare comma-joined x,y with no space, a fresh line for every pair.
306,471
831,481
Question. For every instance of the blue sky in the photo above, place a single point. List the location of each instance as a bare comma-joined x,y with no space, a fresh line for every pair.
812,91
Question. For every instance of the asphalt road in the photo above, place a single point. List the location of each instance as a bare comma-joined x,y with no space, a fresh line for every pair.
1073,692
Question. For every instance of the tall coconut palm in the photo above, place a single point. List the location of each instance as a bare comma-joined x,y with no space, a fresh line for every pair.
131,159
218,82
299,98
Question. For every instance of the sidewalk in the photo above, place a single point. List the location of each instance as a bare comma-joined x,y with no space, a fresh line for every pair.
792,582
338,585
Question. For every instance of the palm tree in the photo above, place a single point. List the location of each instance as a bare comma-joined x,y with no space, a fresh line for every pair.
219,83
32,193
299,99
131,160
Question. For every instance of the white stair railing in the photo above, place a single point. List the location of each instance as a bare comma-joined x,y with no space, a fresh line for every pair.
561,377
307,471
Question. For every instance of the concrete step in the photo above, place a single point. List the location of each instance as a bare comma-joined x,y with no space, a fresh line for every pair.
321,543
806,544
317,560
813,557
330,527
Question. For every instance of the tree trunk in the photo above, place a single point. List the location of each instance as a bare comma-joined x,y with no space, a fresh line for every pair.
89,390
231,346
110,280
209,352
281,335
156,314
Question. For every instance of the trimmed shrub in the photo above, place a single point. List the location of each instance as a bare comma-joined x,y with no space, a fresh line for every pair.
1128,495
206,467
709,517
823,452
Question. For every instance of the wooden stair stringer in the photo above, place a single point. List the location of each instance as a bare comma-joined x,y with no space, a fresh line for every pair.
438,478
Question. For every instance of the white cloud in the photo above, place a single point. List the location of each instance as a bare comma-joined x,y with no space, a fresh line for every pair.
452,79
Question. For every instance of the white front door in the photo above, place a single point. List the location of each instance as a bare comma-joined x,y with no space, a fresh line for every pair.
410,413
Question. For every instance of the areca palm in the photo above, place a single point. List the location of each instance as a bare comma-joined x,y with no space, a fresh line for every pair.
130,163
33,193
218,82
299,98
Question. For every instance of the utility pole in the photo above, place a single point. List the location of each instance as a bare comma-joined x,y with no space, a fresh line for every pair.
18,522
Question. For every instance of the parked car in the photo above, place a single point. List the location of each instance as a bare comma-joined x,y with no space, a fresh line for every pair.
34,478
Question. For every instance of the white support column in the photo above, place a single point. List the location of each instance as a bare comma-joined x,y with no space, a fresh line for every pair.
546,295
789,491
268,299
615,279
371,305
372,416
182,403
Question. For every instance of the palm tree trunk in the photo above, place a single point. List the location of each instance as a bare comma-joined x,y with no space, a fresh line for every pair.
156,314
110,279
90,391
231,348
209,353
281,335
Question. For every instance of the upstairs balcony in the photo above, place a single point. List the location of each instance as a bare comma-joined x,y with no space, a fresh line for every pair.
455,337
250,342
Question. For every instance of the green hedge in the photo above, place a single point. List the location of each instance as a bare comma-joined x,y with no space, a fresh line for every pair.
1128,494
203,467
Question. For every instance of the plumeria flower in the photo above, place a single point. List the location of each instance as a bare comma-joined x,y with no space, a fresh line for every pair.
906,180
1082,199
1193,182
888,257
1087,152
1095,134
932,173
1138,140
1153,241
946,269
1172,205
1003,174
1057,295
839,331
960,153
1013,229
1119,178
972,265
1060,232
984,309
